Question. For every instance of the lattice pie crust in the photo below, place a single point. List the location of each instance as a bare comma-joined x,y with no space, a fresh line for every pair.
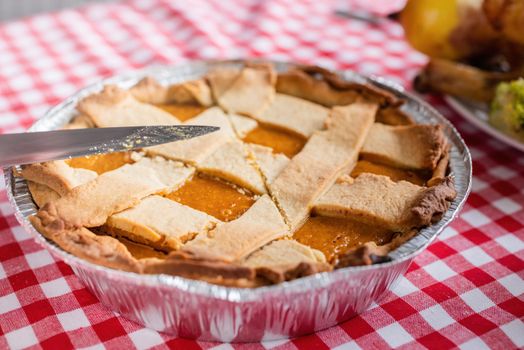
339,151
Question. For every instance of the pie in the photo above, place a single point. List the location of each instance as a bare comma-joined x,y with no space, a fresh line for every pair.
308,173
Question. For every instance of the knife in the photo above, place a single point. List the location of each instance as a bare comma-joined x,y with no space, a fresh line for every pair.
44,146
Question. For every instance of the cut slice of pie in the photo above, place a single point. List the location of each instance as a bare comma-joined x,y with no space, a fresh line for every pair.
308,173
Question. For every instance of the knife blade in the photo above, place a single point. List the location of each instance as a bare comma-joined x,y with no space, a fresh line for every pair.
32,147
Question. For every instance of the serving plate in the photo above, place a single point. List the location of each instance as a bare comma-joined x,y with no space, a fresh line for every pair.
477,114
203,311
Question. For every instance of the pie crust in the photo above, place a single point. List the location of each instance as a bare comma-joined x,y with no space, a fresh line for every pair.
296,152
114,106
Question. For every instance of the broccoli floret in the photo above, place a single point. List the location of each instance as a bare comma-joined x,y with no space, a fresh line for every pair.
508,104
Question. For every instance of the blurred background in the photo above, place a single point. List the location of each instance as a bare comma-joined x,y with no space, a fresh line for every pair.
11,9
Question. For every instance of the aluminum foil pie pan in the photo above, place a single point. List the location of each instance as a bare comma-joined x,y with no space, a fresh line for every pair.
198,310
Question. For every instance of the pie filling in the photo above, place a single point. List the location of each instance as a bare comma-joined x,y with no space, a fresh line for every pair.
101,163
214,196
141,251
182,112
335,236
395,174
279,140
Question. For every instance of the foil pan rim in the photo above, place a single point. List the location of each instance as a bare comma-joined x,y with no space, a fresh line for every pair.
20,198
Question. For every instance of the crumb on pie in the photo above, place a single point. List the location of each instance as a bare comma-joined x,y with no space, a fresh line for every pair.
308,173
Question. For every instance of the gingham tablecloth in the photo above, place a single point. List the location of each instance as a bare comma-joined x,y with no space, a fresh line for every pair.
466,290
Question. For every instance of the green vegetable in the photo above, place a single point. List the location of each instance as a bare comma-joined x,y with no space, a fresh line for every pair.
507,108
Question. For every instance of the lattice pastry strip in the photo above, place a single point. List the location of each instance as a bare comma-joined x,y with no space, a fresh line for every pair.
408,147
249,91
375,199
160,222
234,240
197,92
57,175
324,157
114,106
195,150
294,114
112,192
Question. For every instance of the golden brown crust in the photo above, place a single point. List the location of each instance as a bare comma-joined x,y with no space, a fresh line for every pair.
230,162
135,238
220,79
196,150
295,115
252,250
148,90
57,175
441,169
279,275
393,116
269,164
356,257
186,265
417,146
376,200
434,202
109,96
101,250
92,203
234,240
286,259
251,91
373,199
114,107
371,253
191,92
160,223
326,88
322,160
41,193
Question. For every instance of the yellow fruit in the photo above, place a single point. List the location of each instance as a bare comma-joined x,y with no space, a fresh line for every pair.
428,24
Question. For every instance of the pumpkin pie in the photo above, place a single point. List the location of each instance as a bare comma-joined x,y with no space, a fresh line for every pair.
308,173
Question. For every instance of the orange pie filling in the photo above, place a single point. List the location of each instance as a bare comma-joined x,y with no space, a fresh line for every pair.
208,194
395,174
141,251
335,236
213,196
280,141
101,163
182,112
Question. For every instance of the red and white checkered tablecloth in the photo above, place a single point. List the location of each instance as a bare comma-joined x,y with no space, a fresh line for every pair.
466,290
